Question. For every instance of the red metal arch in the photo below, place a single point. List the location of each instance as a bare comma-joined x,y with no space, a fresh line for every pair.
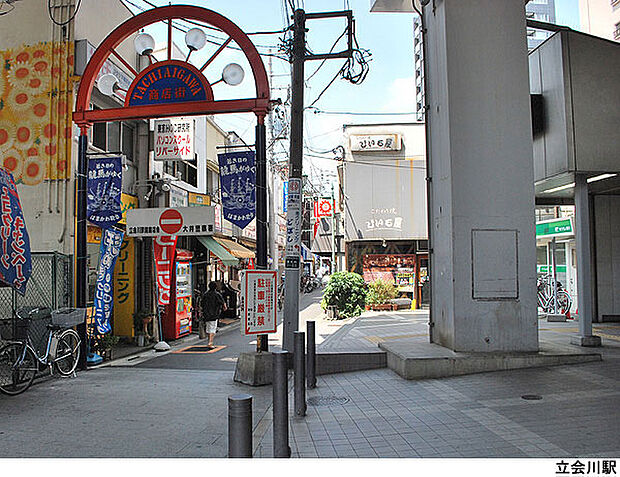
259,105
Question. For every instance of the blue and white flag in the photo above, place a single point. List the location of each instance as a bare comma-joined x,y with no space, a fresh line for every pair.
238,186
104,191
110,248
15,261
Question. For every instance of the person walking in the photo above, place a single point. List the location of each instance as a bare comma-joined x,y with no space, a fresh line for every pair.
213,305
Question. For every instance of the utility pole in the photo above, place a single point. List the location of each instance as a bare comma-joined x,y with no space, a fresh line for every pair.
292,262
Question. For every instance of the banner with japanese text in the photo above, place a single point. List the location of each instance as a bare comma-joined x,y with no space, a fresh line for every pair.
104,191
238,186
15,261
104,301
124,288
164,247
259,301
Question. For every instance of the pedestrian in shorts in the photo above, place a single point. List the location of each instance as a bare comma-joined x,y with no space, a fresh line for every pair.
213,305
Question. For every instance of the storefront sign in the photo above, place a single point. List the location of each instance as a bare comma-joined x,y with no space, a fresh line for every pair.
171,221
168,82
124,286
174,140
15,261
104,191
198,200
238,186
128,202
163,250
375,142
109,250
323,208
554,228
177,197
259,301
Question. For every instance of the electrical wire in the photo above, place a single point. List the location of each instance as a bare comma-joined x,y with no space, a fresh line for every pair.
51,14
316,110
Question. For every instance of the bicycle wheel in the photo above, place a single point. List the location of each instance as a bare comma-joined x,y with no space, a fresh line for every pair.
18,367
564,302
67,352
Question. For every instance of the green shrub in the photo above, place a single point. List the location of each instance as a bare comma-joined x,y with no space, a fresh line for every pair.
347,292
380,292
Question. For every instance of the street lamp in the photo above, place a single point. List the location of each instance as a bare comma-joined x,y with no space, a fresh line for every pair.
195,39
107,84
233,74
144,44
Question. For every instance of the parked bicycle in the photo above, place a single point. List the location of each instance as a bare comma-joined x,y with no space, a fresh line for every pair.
546,298
20,360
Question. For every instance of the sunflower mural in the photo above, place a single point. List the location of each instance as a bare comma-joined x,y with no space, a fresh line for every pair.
36,100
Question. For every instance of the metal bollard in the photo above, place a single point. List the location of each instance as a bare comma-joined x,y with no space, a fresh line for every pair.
299,367
240,425
280,404
311,357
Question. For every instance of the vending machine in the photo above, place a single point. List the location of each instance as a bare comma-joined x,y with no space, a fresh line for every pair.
177,316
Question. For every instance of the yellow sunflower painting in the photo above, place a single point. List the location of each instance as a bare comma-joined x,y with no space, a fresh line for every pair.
36,101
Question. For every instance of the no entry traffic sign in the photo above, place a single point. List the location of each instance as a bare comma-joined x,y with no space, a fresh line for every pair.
171,221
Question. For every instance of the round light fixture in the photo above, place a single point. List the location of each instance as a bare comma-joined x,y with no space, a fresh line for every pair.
195,39
144,44
107,84
233,74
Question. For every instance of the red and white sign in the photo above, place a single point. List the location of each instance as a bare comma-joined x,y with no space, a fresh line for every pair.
322,208
163,250
171,221
174,140
259,301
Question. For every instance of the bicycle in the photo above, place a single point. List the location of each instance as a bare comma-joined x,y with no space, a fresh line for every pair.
546,298
19,359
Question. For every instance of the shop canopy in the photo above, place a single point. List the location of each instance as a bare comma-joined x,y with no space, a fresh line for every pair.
218,250
235,249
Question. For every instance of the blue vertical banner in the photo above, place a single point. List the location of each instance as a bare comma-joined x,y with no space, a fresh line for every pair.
104,191
111,242
284,195
238,186
15,261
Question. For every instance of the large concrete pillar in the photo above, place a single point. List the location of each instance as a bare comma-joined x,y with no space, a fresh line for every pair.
482,180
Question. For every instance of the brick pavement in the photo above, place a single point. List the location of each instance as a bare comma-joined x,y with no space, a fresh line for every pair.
378,414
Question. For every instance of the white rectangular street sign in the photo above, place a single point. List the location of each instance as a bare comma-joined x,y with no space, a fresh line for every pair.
375,142
171,221
258,288
293,225
173,139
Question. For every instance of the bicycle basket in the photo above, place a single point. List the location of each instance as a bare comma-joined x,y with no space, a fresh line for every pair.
69,317
30,319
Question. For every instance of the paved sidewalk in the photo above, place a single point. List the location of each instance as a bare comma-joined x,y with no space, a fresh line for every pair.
378,414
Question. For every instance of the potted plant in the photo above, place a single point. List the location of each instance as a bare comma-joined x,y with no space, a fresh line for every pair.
141,319
380,292
344,295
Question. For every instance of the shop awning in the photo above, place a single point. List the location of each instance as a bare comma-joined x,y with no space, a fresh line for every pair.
211,244
235,249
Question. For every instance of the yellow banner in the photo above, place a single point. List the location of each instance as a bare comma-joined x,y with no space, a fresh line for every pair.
128,202
198,200
36,101
124,289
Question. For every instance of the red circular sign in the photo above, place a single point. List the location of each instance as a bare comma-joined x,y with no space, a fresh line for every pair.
171,221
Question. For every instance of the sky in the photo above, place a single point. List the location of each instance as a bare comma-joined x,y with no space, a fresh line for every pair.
388,87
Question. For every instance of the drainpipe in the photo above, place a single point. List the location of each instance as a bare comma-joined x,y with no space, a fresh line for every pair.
429,176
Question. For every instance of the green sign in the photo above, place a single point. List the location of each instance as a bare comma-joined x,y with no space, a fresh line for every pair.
556,227
549,268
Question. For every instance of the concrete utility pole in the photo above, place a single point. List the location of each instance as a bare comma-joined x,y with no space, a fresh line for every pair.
293,212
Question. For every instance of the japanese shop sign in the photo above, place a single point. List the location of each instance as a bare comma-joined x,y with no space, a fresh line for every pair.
259,301
109,250
375,142
238,185
293,225
163,250
124,286
168,82
171,221
104,191
322,208
15,262
173,140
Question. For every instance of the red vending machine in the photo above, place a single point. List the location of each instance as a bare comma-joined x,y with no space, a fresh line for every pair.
177,317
